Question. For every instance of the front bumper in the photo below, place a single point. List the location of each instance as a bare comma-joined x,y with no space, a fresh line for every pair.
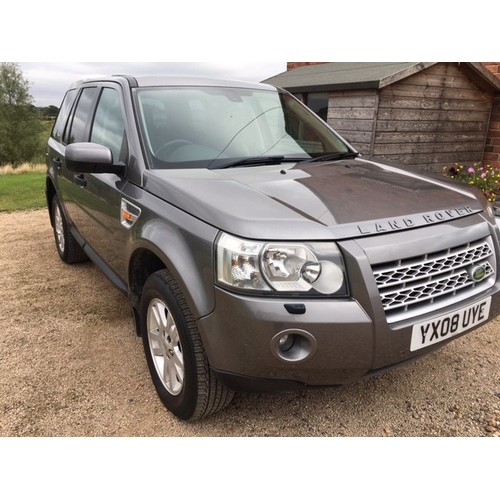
337,340
345,345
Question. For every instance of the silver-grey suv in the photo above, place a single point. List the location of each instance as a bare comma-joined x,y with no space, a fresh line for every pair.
259,251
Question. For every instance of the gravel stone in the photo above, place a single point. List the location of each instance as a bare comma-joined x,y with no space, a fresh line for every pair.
71,365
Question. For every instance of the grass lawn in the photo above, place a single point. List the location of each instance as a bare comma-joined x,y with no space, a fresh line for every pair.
22,191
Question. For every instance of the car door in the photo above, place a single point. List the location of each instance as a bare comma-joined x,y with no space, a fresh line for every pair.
56,147
76,130
95,199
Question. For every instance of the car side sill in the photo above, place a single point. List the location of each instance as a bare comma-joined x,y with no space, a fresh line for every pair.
100,263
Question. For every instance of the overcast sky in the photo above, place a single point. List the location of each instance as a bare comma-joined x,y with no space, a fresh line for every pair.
49,80
237,33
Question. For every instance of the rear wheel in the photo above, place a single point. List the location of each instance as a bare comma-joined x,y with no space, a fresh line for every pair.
67,247
176,358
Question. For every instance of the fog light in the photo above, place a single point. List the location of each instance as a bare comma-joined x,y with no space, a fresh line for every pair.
286,342
293,346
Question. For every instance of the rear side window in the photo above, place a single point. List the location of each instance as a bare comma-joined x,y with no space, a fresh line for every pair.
80,126
62,117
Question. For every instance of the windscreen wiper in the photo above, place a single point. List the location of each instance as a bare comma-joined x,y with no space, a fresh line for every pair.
333,157
257,160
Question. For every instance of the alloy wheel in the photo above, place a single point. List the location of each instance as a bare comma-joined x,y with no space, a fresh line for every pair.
59,229
165,346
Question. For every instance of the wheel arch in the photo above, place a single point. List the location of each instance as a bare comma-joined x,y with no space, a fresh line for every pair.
146,259
143,262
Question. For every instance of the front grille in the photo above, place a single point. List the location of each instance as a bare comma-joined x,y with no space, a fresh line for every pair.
417,285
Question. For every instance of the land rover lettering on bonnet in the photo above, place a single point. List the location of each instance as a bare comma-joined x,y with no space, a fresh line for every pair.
409,222
257,248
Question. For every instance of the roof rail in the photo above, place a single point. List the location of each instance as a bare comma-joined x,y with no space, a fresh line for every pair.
131,80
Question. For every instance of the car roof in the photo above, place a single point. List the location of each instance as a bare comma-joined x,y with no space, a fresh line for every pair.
174,81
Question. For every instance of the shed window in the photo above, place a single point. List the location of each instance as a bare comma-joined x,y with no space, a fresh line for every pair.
318,102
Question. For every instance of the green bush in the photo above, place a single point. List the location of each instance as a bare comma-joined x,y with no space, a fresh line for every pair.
39,155
20,124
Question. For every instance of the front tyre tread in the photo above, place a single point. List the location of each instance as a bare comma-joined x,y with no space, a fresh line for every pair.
203,393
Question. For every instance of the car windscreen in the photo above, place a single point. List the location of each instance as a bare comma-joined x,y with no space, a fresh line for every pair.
210,127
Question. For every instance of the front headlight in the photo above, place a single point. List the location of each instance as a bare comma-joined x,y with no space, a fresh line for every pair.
297,268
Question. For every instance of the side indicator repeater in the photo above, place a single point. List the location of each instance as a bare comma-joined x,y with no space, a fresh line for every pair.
129,213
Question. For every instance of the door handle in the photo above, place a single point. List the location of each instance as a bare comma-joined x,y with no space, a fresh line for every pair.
80,180
57,163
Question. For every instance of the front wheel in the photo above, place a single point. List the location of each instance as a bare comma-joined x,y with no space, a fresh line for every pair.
176,358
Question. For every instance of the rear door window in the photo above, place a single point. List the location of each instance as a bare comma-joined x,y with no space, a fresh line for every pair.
80,125
62,117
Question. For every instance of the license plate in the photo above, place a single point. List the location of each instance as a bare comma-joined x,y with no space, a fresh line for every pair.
444,327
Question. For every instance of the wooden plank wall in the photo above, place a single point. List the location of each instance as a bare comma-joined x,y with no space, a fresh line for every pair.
433,119
352,114
430,120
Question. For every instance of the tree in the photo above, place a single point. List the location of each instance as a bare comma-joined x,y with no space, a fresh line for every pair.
20,126
51,111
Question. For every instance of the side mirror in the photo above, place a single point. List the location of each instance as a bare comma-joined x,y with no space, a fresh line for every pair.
90,158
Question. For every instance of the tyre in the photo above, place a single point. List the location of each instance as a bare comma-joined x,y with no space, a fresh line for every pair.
175,355
67,247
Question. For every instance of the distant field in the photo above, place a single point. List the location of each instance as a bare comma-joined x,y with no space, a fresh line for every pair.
23,169
22,191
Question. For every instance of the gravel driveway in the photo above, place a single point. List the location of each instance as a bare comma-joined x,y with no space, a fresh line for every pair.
71,365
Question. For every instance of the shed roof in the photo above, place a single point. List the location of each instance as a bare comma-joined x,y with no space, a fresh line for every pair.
359,75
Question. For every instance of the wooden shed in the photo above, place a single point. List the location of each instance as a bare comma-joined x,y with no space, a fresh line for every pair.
424,115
